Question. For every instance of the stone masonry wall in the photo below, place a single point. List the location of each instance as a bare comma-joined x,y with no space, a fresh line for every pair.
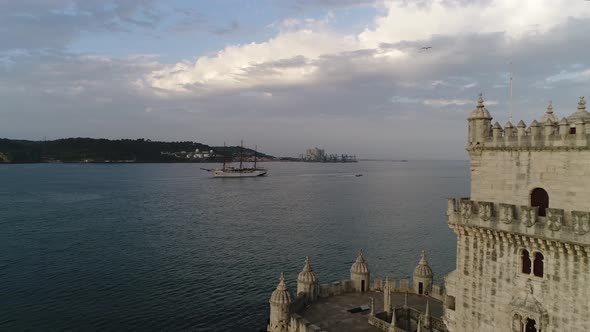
488,282
502,176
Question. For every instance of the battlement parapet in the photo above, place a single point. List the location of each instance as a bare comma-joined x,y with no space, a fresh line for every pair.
336,288
559,225
383,325
300,324
572,132
406,315
542,136
438,292
403,286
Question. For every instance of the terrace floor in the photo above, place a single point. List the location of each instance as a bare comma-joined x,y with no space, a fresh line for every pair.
331,314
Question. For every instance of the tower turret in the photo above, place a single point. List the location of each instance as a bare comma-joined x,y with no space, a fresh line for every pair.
580,120
423,276
479,124
549,114
359,273
280,300
581,113
307,282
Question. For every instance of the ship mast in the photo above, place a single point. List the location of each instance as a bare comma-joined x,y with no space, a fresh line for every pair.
241,152
224,152
255,150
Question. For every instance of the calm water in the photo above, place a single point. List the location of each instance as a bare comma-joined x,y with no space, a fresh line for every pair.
164,247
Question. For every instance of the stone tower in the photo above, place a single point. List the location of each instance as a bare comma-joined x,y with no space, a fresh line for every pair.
523,237
280,300
307,282
423,277
359,273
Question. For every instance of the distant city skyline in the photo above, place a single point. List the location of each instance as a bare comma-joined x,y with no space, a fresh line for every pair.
371,78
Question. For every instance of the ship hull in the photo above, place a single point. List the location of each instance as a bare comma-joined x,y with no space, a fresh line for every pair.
239,174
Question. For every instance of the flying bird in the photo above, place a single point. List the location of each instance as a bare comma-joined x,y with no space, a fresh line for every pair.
429,47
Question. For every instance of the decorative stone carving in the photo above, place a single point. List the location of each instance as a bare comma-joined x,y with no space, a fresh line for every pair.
529,215
466,210
527,305
507,213
581,222
554,219
485,210
516,323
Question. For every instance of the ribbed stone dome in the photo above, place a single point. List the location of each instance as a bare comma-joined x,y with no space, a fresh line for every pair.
307,275
423,269
360,266
480,112
281,295
581,114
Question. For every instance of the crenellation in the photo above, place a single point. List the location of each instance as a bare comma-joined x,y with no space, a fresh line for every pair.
378,284
548,135
404,285
551,138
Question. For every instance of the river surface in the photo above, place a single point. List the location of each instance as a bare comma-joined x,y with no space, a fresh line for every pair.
152,247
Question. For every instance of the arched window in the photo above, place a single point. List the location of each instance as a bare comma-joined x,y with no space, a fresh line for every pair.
531,325
538,265
526,262
540,198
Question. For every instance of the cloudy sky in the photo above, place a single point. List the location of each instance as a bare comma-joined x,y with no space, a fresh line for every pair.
346,75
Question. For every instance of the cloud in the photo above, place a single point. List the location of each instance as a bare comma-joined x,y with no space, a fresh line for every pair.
188,20
405,100
446,102
227,68
407,25
35,25
470,85
301,4
311,83
231,28
420,20
256,94
574,76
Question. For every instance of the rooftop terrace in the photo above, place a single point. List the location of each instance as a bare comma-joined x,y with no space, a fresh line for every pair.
331,314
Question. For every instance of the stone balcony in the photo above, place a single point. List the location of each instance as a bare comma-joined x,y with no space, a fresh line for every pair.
571,227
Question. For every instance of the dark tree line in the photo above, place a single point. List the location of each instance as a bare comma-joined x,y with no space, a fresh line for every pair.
101,150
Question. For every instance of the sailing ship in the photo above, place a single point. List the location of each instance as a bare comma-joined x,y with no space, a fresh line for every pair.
238,172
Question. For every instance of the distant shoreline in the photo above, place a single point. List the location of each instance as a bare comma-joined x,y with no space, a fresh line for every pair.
92,150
